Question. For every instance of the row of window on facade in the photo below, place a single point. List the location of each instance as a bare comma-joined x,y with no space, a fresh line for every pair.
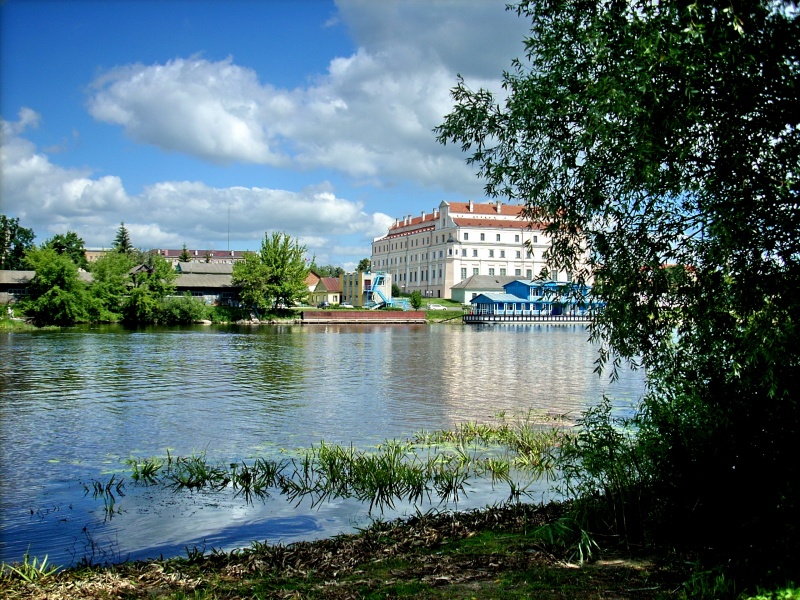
425,241
401,259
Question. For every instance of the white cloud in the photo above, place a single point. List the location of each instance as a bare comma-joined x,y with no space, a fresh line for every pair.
214,110
370,116
51,199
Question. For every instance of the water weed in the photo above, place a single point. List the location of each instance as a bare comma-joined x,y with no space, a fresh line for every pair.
30,570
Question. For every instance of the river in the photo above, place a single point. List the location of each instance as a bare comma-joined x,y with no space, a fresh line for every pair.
77,402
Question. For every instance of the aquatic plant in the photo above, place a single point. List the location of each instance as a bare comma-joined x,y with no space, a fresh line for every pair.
30,570
428,467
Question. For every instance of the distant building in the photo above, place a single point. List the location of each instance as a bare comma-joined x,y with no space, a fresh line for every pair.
326,290
365,288
434,252
206,256
92,254
474,286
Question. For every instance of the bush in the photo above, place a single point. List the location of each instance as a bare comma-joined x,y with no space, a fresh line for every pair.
183,310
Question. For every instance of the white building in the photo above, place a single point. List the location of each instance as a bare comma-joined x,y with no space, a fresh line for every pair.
433,252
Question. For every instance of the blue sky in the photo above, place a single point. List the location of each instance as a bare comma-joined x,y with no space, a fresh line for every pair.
308,116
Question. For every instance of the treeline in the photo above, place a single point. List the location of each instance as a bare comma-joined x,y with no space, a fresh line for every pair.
125,285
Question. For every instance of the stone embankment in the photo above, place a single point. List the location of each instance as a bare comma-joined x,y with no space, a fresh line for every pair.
362,316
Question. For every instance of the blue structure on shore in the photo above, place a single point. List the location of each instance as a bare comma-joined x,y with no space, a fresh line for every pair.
525,300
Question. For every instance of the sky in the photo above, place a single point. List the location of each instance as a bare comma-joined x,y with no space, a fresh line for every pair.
213,123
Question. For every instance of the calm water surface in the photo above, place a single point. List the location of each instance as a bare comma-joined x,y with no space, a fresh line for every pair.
76,403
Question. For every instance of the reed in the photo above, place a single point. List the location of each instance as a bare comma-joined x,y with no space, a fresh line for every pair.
430,466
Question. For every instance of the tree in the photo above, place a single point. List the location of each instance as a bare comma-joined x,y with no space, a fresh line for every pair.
364,265
274,276
15,242
184,257
57,296
327,270
122,243
416,299
652,134
110,285
71,245
152,283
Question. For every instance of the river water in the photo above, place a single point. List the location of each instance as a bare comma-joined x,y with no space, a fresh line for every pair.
77,402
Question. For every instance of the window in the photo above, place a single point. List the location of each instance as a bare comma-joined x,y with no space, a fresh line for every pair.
491,253
519,254
466,236
441,254
464,273
474,252
535,239
449,252
517,272
502,253
528,274
498,237
483,237
463,252
491,271
528,255
516,238
474,270
502,271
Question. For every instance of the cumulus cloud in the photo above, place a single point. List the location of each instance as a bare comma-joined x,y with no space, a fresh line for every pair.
370,116
214,110
52,199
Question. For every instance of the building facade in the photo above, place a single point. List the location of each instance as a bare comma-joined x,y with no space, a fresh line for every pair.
433,252
366,288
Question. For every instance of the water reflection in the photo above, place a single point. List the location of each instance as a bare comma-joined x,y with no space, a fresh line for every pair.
76,403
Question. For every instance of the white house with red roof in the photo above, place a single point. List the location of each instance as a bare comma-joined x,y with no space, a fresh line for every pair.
435,251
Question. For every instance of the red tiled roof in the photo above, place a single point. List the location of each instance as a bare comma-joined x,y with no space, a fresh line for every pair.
172,253
331,283
416,221
496,223
506,210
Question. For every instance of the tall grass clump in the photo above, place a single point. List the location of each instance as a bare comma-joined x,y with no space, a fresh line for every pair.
30,570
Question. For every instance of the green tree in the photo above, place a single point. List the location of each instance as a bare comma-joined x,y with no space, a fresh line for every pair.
416,299
251,275
122,243
364,265
649,134
71,245
152,283
327,270
110,285
184,257
15,242
274,276
57,296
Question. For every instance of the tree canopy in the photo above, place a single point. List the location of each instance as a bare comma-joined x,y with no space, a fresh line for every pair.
274,276
365,264
662,139
70,244
15,241
57,296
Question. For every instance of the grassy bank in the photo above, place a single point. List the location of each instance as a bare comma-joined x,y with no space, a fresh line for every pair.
503,552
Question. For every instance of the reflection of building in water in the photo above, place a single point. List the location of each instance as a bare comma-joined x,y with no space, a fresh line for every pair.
516,368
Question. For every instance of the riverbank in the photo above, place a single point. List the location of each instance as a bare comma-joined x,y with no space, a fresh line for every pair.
491,553
479,554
